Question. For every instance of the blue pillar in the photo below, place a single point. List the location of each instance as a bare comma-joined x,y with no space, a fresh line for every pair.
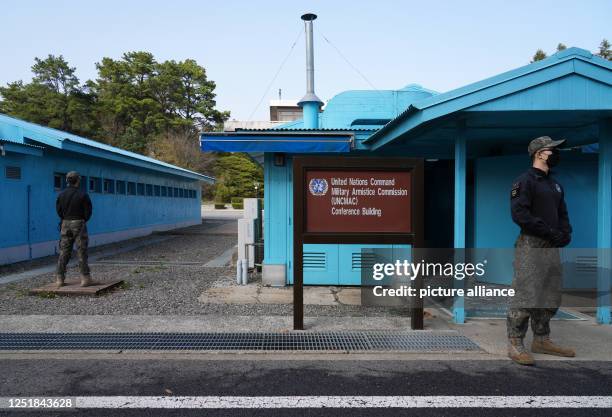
604,222
275,212
311,114
459,231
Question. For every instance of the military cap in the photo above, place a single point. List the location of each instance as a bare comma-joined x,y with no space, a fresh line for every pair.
73,174
543,142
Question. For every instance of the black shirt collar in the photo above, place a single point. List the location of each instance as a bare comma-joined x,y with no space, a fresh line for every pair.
538,172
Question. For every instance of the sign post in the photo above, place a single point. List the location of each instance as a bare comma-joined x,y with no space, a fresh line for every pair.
355,201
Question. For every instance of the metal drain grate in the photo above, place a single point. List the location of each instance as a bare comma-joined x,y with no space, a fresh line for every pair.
292,341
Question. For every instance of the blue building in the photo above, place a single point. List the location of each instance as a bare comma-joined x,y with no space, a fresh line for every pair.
473,141
132,195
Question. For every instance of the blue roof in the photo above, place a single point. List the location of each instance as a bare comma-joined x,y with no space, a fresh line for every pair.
19,131
364,109
441,105
351,116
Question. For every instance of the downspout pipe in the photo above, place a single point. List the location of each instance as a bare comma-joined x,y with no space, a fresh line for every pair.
310,103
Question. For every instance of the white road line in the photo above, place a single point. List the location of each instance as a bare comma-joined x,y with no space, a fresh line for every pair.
229,402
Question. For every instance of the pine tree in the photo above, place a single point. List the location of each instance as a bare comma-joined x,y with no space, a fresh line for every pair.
539,55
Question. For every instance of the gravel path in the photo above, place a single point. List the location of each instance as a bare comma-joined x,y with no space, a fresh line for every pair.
162,278
165,289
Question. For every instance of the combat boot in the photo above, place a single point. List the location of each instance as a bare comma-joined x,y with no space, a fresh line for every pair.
85,280
518,353
543,344
59,281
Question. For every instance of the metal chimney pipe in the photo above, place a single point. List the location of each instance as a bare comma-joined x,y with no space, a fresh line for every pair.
310,103
308,19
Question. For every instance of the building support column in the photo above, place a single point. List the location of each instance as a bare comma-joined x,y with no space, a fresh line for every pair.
460,215
604,223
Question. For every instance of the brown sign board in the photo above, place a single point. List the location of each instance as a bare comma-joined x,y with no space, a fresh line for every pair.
388,209
358,201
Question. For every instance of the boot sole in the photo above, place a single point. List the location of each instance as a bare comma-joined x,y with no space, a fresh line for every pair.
546,352
523,363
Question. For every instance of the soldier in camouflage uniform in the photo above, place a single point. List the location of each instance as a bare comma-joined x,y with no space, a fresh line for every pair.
74,208
538,208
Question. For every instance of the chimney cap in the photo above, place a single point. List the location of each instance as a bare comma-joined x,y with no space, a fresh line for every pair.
309,16
310,98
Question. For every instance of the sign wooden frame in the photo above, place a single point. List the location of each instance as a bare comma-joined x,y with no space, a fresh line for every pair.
301,164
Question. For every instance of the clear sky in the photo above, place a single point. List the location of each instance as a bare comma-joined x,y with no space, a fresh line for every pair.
438,44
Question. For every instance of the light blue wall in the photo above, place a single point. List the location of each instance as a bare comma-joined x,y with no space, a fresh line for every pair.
493,226
324,264
111,213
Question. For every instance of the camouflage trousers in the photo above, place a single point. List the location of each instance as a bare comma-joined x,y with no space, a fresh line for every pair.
537,283
518,321
73,231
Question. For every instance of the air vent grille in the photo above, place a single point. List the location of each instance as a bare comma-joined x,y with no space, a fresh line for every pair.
315,261
13,173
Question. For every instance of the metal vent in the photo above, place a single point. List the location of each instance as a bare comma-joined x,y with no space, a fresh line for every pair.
315,260
291,341
586,264
13,173
361,260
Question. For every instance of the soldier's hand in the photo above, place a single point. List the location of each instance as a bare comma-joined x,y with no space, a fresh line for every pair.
567,238
556,238
560,239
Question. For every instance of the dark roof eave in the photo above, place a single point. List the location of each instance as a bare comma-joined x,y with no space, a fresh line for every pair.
301,133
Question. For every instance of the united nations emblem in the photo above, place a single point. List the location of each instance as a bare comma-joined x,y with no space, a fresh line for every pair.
318,186
558,187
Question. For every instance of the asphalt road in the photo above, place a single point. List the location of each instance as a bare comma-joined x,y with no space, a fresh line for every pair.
341,377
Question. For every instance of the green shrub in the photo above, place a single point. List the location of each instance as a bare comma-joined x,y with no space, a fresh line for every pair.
222,193
237,200
238,206
219,206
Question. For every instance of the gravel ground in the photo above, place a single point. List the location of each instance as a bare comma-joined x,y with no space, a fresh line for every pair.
46,260
166,288
189,248
157,289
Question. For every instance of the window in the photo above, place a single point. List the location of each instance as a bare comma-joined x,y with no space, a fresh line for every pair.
149,188
176,191
84,184
181,191
120,187
59,181
131,188
13,173
140,188
95,185
109,186
156,190
164,191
